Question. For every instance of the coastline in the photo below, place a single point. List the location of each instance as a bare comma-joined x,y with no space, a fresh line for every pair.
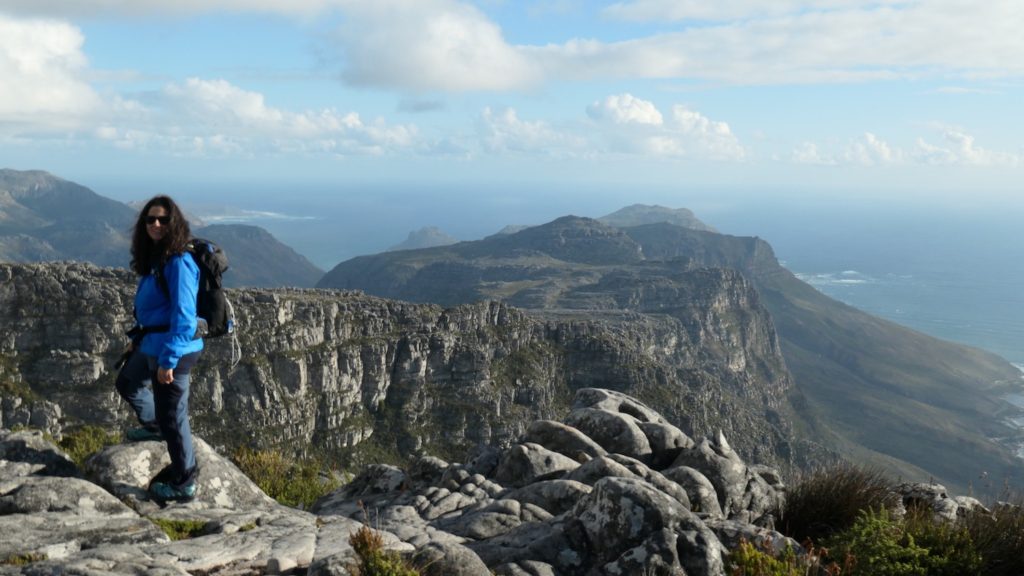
1016,399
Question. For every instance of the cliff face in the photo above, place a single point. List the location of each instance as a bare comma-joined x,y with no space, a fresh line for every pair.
361,376
878,393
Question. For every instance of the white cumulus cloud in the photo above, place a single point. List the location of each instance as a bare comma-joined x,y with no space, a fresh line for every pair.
712,139
871,150
661,10
200,117
808,153
231,112
429,45
801,42
634,125
503,131
41,74
958,147
78,8
626,109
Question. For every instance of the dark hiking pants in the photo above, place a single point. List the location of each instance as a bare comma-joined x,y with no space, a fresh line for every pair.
163,407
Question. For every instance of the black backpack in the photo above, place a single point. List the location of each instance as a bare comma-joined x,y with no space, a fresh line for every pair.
215,313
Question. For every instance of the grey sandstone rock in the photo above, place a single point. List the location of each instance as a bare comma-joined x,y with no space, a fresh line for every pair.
616,433
702,494
427,470
42,494
526,463
36,455
122,560
618,466
541,513
275,541
666,442
127,469
375,479
614,401
657,555
525,568
555,496
731,532
449,559
717,461
622,512
563,439
930,496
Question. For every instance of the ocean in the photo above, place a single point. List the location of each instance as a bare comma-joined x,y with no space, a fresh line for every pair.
955,275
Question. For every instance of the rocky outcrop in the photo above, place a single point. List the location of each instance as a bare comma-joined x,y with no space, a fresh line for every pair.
554,509
595,515
362,377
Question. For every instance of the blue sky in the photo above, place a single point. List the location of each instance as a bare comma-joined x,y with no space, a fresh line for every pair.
917,99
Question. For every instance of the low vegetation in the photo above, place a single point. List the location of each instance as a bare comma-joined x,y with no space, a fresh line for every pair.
84,441
23,559
829,501
850,523
180,529
749,560
297,483
374,560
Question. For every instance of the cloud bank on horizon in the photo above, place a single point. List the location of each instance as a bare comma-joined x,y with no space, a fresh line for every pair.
822,83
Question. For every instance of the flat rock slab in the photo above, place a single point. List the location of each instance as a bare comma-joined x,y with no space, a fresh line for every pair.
125,470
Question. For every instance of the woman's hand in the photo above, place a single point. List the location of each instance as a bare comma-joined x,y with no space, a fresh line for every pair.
164,375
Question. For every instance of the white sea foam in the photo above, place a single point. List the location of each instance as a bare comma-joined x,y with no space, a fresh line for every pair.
243,216
844,278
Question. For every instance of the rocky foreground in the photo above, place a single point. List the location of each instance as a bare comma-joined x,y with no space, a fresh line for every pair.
613,489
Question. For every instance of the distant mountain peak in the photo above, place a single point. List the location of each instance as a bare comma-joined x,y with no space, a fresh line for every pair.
426,237
640,214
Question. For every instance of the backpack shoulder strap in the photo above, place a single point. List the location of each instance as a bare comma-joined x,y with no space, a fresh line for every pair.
161,281
158,272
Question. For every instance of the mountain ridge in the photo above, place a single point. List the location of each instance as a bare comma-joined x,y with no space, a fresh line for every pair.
46,218
934,398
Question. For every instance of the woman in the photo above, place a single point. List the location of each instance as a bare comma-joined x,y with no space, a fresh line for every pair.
164,347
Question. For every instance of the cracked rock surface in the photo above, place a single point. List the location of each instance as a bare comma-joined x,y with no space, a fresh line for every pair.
560,501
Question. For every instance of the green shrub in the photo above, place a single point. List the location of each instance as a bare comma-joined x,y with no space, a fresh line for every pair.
374,560
951,549
290,482
748,560
85,441
999,538
880,546
180,529
916,545
829,501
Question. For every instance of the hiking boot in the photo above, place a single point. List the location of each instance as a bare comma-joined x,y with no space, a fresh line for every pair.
164,492
142,435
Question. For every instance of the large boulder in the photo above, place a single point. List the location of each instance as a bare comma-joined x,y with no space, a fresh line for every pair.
125,470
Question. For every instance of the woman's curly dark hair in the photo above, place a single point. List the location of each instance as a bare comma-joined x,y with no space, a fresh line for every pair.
147,254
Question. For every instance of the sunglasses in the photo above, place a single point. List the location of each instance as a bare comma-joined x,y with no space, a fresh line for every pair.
163,220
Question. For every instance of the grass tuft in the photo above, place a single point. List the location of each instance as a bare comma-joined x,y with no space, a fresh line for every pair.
374,560
999,537
829,501
180,529
291,482
84,441
23,559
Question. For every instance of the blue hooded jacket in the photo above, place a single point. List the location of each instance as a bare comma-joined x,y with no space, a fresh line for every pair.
154,308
